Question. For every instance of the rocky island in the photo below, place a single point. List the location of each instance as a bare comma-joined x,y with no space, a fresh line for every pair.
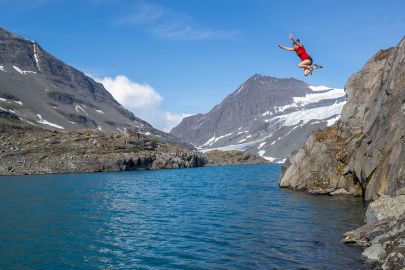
363,154
37,151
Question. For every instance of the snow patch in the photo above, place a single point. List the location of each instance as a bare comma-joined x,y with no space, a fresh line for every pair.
261,145
319,88
282,161
100,111
266,113
45,122
332,93
332,120
35,55
304,116
7,100
262,152
271,159
241,141
215,139
99,128
2,69
285,107
316,97
77,108
23,71
29,122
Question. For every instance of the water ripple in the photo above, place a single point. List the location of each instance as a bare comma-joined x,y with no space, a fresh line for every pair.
232,217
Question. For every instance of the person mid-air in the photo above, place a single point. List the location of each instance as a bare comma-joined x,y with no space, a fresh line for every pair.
306,59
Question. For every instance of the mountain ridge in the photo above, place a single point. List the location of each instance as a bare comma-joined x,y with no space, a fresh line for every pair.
41,90
252,117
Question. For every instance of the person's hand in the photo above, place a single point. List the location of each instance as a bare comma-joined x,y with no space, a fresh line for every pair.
290,36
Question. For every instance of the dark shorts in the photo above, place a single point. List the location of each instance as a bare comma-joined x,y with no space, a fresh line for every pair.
310,59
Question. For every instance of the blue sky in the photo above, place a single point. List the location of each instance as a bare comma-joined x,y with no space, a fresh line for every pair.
186,56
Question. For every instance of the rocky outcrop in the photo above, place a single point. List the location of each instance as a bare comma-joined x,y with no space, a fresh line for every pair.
220,158
37,151
364,153
383,236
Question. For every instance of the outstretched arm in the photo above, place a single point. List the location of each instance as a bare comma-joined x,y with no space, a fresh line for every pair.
290,36
286,48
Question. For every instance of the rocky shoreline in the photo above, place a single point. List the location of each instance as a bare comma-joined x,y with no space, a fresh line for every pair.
25,151
383,235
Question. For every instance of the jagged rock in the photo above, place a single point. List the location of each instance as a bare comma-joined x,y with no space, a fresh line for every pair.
374,253
385,207
383,237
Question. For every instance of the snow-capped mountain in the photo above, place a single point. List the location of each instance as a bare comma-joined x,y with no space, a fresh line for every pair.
265,115
39,90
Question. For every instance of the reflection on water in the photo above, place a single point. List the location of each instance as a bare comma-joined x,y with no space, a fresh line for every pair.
232,217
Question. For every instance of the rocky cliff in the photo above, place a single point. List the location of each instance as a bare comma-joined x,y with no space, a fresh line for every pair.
364,155
364,152
265,115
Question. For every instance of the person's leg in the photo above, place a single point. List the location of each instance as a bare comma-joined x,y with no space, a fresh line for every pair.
306,65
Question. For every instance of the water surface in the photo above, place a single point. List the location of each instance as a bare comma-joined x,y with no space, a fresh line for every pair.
233,217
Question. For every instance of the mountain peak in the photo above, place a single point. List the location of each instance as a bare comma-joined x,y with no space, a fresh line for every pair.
4,34
259,77
266,115
42,91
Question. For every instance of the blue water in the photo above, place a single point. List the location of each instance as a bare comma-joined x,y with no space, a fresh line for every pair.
232,217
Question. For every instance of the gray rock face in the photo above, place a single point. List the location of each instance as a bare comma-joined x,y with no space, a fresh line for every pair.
365,151
265,115
385,207
383,237
364,154
43,91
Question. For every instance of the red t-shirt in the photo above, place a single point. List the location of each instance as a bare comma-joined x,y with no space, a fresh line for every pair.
302,53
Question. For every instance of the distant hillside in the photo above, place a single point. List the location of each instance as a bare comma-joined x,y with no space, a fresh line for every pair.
39,90
265,115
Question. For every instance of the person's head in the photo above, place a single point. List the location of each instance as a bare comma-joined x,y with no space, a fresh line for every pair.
295,45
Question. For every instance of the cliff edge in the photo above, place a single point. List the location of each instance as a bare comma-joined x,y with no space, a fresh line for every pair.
363,153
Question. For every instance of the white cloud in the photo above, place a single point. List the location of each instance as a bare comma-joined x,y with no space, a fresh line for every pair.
143,100
144,13
165,23
173,119
131,94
